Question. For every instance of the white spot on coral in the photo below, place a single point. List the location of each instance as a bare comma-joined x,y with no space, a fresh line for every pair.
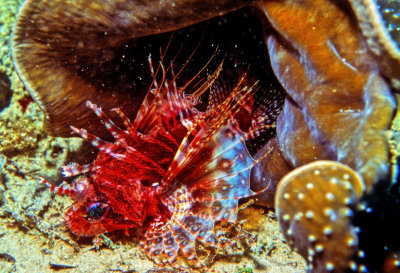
362,268
347,201
298,216
351,242
329,266
327,230
331,214
347,212
319,248
353,265
348,186
311,238
328,212
309,214
329,196
334,180
310,185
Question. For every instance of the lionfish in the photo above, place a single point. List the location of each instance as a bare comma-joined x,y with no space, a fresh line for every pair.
173,172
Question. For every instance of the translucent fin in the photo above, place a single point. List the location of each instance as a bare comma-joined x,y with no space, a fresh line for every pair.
162,242
107,147
205,129
73,169
119,135
63,188
205,191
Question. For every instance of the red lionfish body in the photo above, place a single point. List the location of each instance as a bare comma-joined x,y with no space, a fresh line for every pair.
174,171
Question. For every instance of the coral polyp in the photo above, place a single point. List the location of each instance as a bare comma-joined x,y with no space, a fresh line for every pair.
173,172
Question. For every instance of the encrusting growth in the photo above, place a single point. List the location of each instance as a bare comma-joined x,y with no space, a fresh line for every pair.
315,205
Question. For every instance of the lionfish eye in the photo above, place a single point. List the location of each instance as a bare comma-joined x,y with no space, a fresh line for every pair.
96,211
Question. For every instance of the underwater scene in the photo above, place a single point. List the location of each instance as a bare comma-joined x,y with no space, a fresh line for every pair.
232,136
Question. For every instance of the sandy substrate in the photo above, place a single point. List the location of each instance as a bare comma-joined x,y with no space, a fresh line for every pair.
36,245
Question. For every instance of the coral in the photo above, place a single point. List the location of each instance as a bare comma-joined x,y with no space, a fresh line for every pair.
67,52
392,263
379,21
268,173
25,150
389,12
338,107
315,206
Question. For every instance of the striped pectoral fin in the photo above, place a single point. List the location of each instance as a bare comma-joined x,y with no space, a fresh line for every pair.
63,188
171,246
191,220
73,169
166,106
209,201
204,185
162,241
202,229
225,173
104,146
186,242
155,246
211,135
120,135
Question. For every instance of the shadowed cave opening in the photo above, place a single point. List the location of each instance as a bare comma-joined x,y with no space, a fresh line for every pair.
236,39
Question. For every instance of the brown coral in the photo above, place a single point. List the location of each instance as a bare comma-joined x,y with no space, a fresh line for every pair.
379,21
338,107
315,204
60,53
